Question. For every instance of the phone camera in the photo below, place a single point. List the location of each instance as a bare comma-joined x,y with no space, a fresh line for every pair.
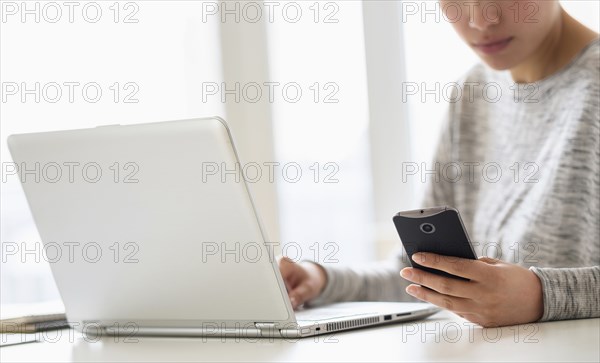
427,228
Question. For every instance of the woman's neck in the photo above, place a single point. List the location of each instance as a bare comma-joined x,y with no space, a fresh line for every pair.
566,39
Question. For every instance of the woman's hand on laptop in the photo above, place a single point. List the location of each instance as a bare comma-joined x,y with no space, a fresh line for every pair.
304,281
497,294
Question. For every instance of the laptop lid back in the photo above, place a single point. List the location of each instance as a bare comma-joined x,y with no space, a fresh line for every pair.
139,228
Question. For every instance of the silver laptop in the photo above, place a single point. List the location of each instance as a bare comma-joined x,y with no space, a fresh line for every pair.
144,238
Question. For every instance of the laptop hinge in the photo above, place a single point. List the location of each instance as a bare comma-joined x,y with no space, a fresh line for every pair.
265,325
266,329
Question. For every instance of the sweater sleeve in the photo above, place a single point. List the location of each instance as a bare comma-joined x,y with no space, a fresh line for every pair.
570,293
379,282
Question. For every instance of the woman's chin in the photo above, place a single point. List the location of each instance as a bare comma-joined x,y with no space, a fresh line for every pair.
497,63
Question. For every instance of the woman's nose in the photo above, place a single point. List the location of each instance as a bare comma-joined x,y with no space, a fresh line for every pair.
483,15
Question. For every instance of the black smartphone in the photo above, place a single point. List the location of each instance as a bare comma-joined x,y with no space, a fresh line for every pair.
438,230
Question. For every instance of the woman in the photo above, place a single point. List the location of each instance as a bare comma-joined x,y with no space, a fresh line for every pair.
543,221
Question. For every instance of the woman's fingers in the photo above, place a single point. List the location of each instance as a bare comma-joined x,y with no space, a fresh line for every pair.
300,295
454,304
288,271
470,269
444,285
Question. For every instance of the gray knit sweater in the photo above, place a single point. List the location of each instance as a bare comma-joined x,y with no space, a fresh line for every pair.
521,162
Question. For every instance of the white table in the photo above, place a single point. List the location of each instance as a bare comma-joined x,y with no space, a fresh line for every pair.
442,337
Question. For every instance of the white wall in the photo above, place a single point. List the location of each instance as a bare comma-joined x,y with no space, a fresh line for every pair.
327,212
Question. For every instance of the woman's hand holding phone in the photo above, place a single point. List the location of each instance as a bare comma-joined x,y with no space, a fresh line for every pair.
497,294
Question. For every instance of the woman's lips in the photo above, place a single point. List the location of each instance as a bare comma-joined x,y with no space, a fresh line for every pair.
494,46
